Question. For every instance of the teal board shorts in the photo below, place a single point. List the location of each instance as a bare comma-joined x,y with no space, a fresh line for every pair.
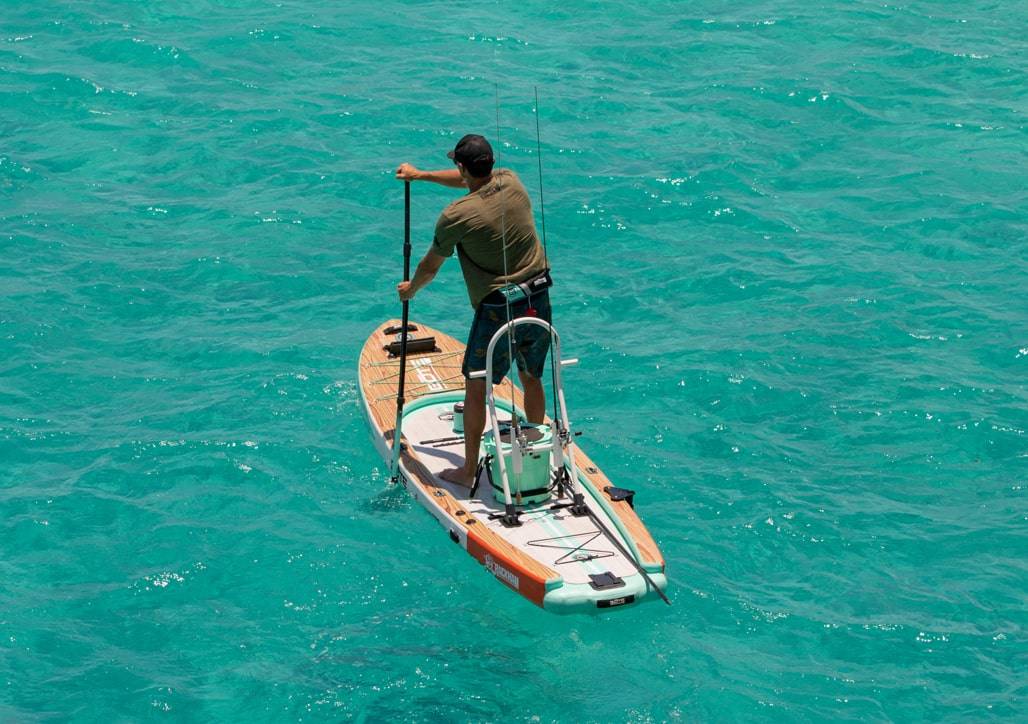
531,342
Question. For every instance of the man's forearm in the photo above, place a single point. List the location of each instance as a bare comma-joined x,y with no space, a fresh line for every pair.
447,177
422,276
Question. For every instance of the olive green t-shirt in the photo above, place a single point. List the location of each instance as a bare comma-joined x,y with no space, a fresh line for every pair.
479,223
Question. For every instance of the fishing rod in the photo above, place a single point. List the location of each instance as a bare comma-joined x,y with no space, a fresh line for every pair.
613,539
542,218
539,156
576,504
506,275
560,425
395,468
510,515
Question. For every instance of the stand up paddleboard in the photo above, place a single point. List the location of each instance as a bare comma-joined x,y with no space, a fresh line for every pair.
542,519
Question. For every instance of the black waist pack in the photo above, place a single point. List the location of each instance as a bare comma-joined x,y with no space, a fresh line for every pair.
519,292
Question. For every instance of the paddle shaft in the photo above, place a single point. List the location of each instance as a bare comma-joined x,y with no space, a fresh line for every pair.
395,469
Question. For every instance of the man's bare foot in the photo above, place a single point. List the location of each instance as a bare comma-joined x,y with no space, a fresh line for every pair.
458,476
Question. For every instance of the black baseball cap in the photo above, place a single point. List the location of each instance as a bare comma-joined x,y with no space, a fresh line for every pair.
472,149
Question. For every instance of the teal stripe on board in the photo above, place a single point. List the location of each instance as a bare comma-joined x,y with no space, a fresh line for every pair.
789,244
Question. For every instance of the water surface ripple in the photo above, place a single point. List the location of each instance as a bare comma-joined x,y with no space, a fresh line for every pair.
790,250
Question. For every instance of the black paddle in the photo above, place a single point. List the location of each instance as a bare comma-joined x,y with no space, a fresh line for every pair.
403,334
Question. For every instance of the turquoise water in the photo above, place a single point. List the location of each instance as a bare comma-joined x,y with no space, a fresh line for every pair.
790,250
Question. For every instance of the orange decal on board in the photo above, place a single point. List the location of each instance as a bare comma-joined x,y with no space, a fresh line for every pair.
507,571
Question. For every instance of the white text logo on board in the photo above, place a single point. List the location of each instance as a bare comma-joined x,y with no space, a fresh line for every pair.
502,573
426,373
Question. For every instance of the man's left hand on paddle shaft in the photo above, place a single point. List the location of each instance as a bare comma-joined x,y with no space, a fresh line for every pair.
426,271
405,290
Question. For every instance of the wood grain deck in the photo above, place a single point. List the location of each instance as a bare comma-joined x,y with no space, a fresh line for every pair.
440,371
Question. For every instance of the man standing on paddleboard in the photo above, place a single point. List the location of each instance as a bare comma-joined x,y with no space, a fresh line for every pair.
493,231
